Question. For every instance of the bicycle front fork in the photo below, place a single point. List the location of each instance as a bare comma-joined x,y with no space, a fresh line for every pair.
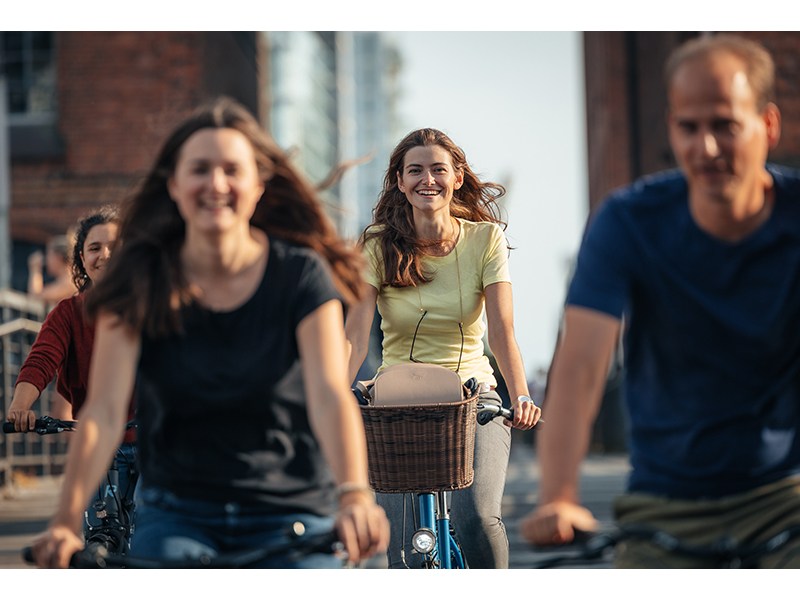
433,538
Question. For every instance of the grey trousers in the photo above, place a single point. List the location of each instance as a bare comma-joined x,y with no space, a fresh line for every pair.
475,511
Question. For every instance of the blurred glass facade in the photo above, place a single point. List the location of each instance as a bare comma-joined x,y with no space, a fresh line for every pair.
332,101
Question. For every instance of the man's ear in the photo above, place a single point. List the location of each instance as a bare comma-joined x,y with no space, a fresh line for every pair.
772,119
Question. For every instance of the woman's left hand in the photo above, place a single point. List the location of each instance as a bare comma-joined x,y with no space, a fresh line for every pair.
526,413
362,525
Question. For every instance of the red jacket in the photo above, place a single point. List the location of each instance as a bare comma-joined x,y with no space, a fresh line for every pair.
63,349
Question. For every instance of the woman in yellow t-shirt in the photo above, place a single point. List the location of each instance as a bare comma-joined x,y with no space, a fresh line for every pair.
437,262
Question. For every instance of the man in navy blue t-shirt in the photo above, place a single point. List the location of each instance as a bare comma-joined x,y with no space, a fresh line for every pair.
702,266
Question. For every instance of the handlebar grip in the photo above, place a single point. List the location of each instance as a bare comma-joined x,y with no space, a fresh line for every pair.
8,427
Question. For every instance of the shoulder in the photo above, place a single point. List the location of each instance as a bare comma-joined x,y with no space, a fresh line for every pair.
66,314
651,190
297,265
69,307
483,230
787,180
649,198
285,251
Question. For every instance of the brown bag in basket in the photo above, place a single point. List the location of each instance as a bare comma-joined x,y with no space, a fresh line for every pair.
416,383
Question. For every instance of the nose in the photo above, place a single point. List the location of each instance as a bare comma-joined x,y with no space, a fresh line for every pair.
428,177
710,145
105,252
219,181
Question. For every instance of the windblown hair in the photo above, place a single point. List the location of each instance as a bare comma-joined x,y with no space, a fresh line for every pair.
105,214
759,66
145,284
393,219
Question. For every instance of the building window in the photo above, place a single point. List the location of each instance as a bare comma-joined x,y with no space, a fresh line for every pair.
28,63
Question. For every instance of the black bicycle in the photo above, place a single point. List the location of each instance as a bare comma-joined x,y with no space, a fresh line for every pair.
110,524
725,553
300,544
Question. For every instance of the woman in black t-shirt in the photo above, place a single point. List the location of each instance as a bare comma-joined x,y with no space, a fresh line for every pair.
225,304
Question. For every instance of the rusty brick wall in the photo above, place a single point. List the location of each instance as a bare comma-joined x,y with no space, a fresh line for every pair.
119,94
626,103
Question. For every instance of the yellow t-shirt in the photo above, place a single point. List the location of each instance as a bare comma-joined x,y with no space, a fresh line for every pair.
479,259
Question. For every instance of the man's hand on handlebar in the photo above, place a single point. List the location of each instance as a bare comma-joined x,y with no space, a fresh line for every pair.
556,523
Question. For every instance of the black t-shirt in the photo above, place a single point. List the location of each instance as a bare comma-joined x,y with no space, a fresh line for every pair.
222,410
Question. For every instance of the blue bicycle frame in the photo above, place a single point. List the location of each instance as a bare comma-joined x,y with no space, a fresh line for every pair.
434,517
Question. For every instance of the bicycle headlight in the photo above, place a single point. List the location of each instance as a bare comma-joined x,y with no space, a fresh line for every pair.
423,540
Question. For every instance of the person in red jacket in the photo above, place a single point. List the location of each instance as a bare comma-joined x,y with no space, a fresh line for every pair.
63,347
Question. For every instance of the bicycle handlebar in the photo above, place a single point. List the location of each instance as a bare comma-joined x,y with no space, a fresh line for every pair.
43,426
46,424
96,556
725,551
489,411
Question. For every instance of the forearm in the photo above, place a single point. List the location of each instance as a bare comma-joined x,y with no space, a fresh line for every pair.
571,405
357,353
35,283
509,360
339,428
25,394
357,332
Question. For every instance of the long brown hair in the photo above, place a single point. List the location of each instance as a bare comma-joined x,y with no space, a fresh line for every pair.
145,284
393,220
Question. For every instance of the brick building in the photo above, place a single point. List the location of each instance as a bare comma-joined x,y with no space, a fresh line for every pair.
626,103
117,94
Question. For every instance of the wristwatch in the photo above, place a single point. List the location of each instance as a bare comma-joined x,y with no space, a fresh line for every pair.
524,399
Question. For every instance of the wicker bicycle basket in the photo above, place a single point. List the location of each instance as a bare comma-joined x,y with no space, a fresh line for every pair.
421,448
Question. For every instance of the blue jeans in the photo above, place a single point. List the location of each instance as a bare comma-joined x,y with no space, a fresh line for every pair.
476,511
172,528
117,488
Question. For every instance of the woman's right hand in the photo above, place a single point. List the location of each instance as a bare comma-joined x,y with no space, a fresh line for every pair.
23,419
55,547
362,525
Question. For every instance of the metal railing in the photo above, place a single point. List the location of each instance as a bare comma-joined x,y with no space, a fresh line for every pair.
21,318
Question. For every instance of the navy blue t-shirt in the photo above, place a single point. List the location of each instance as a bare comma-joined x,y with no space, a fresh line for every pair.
712,342
222,412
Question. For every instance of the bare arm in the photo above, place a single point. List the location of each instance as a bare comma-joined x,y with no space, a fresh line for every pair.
35,277
357,329
503,343
575,386
102,426
57,290
337,424
19,411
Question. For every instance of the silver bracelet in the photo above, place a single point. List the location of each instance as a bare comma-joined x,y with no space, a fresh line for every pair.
350,486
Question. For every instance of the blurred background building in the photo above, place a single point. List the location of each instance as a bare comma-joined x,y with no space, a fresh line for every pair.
88,110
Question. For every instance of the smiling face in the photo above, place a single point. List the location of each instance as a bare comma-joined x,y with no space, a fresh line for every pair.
428,178
97,249
216,185
719,137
